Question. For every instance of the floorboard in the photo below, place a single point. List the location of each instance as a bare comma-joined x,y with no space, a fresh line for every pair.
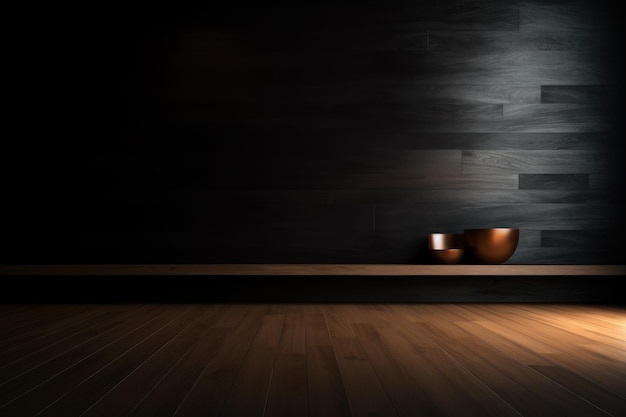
336,359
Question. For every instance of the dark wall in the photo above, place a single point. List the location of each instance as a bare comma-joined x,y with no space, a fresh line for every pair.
312,132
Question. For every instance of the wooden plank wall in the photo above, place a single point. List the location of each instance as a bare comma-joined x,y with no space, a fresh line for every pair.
314,132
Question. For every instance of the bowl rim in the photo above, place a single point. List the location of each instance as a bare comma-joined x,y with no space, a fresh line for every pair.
443,241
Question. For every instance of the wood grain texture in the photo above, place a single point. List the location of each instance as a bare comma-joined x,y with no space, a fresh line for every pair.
85,395
288,394
405,391
426,116
563,17
590,94
394,245
21,358
554,181
568,255
534,162
291,168
431,366
53,359
613,403
211,390
511,380
578,238
248,395
449,16
50,387
338,197
15,333
462,68
550,396
391,91
313,140
544,40
132,391
366,394
393,359
539,355
283,133
327,394
557,118
604,182
533,216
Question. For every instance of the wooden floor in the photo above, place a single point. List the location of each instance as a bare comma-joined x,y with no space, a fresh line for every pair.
312,360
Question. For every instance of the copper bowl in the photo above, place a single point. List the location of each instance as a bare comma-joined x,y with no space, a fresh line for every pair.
446,248
491,246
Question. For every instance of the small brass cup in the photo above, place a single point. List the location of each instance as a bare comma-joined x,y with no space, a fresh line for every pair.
446,248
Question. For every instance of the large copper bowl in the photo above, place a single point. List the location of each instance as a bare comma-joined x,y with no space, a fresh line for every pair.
491,246
446,248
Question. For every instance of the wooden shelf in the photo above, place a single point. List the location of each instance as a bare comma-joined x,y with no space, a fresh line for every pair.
311,270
